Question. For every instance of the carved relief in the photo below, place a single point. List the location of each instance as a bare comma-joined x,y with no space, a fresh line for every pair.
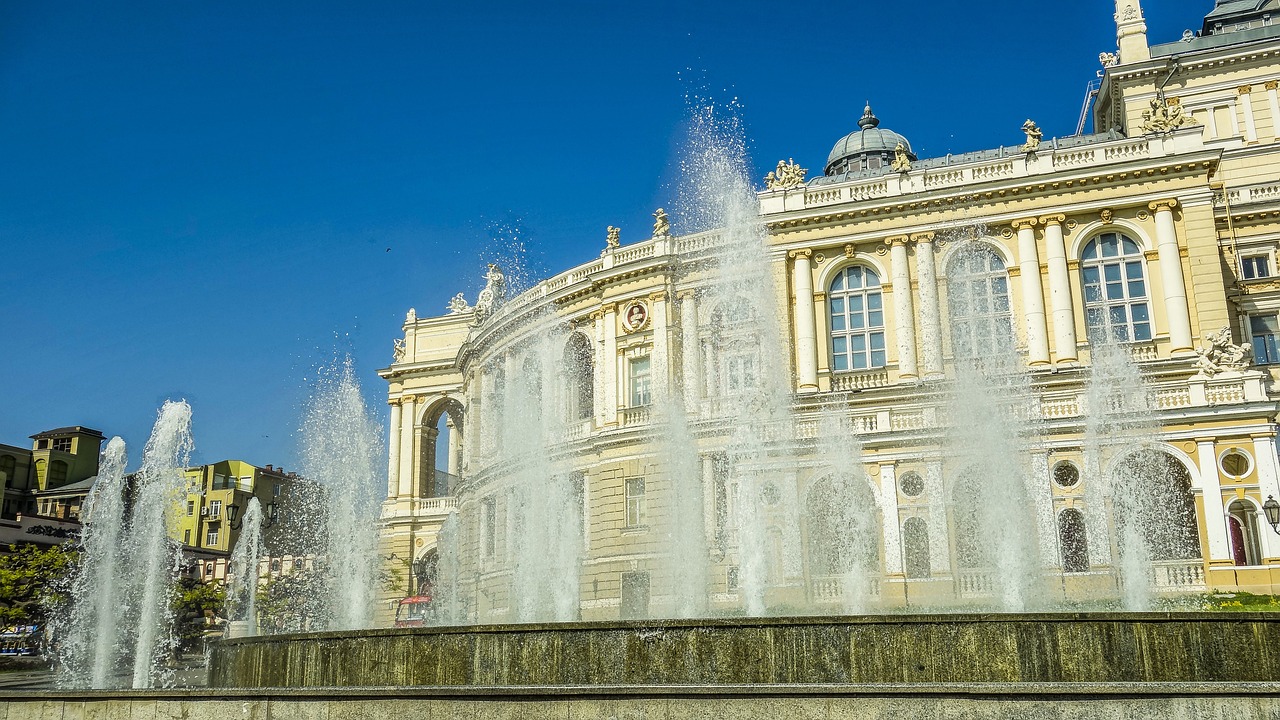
397,350
611,241
458,305
635,317
1164,116
493,294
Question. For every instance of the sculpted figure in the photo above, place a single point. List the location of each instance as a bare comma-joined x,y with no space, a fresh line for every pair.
787,175
611,241
411,316
1221,355
493,294
1164,116
458,305
1108,59
661,224
397,350
901,162
1034,134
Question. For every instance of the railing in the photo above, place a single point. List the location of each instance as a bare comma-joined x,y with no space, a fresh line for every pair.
1263,192
633,416
831,589
1178,575
859,380
1224,394
975,583
435,505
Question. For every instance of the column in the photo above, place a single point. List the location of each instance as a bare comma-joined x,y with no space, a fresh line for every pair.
805,330
1040,490
689,350
930,312
903,313
891,527
406,446
1273,101
1175,290
660,363
609,366
1246,108
393,450
1215,515
1265,460
1032,293
598,375
455,447
939,537
1064,318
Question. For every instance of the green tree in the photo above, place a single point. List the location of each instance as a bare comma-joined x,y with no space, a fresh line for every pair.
292,602
191,597
34,581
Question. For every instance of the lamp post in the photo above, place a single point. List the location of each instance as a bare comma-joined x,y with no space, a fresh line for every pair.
233,512
1271,509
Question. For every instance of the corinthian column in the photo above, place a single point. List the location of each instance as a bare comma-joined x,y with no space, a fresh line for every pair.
1064,318
393,450
406,447
1032,292
930,314
805,333
903,312
1175,290
689,350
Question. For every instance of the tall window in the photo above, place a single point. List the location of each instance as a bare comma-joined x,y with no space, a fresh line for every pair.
640,382
1073,540
1255,266
57,473
635,502
488,527
857,319
1242,529
978,298
1264,331
215,508
1115,289
915,546
7,465
211,537
579,377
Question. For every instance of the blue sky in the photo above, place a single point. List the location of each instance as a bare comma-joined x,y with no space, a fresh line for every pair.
206,200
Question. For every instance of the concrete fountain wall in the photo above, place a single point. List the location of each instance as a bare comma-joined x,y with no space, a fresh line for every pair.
951,649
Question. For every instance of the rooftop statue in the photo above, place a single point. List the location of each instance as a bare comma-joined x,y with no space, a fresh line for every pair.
411,316
397,350
493,294
1108,59
901,161
1221,355
1034,134
788,175
1165,115
458,305
661,224
611,241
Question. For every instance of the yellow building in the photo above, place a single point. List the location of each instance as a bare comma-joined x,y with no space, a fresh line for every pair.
53,476
218,495
892,275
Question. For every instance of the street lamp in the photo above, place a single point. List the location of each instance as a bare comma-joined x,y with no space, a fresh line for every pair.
1271,509
233,511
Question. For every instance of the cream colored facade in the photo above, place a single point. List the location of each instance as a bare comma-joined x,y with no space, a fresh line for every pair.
1199,199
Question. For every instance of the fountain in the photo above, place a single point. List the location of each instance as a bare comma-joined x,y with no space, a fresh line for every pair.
242,587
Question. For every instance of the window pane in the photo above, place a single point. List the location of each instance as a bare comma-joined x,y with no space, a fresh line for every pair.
1090,251
858,343
837,323
1110,247
1130,247
1140,312
840,344
838,284
1141,331
1111,271
1137,289
837,305
855,303
875,319
874,301
855,321
841,362
871,278
877,341
877,358
1263,324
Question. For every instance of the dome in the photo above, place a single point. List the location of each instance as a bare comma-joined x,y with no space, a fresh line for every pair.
868,147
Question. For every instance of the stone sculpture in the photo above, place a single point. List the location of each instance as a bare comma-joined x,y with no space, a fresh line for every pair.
788,175
1034,134
1108,59
661,224
411,316
1164,116
493,294
1221,355
458,305
901,161
611,241
397,350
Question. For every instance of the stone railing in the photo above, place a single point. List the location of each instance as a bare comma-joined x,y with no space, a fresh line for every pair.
864,380
435,506
634,416
1262,192
1178,575
975,583
831,589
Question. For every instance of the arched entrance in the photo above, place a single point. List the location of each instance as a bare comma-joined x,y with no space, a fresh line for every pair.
440,449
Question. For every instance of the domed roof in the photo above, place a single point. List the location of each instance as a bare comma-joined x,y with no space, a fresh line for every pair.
867,139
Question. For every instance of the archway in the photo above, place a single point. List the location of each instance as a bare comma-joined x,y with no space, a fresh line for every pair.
440,459
1153,496
842,524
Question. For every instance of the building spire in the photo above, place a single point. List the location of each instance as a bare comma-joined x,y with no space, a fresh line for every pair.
1131,31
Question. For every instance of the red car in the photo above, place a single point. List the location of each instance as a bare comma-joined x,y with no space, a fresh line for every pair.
414,611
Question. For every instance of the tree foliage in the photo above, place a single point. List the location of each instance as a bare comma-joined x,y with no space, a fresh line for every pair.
34,581
292,602
191,597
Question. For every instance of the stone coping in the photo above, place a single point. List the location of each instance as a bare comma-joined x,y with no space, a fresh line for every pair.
783,621
542,692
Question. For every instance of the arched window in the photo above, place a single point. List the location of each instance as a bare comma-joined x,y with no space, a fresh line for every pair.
978,298
1115,289
915,547
1073,541
57,473
579,377
857,319
1242,529
1153,490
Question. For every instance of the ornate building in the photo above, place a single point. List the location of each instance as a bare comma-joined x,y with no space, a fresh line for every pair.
895,273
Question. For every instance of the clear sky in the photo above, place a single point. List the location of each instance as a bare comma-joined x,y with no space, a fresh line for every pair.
206,200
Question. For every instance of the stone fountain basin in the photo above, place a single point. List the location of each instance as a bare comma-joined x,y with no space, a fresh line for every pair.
974,648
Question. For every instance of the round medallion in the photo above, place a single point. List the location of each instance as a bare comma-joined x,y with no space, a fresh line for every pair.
635,316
